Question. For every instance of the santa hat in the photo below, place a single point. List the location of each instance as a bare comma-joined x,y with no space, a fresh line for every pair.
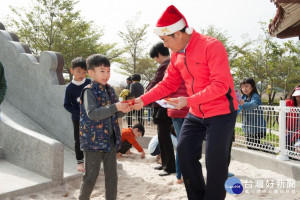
171,21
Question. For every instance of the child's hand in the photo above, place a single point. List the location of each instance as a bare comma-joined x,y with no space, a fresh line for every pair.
123,107
142,154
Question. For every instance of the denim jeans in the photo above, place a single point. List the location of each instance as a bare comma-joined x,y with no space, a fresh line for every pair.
177,123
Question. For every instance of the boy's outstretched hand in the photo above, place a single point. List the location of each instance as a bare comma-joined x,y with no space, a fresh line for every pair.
142,154
138,104
123,107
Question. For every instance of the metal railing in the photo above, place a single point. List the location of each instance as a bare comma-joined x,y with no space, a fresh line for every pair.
273,129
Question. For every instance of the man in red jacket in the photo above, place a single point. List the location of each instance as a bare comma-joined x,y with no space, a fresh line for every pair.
202,62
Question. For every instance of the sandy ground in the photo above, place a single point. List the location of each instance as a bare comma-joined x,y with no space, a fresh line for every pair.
139,181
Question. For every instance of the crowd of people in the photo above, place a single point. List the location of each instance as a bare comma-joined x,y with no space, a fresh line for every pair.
196,84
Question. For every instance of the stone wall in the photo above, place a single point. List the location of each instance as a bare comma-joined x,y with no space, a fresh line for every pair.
35,86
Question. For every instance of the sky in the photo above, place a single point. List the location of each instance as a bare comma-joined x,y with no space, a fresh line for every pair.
237,17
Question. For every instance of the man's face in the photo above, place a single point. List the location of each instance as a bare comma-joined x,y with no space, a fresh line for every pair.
174,42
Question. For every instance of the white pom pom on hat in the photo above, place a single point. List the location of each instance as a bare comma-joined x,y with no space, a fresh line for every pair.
171,21
189,30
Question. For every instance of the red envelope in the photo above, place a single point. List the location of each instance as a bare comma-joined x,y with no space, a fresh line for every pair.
130,102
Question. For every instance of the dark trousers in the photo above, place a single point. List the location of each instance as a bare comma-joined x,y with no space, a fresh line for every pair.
78,152
129,119
164,139
218,133
125,146
140,115
92,167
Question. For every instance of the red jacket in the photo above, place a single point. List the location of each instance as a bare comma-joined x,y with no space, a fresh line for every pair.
204,67
181,92
127,135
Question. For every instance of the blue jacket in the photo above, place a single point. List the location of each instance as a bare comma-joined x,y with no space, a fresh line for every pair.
94,135
253,119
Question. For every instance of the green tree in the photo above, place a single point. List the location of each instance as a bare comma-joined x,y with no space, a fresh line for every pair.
147,67
221,35
292,66
269,63
54,25
233,50
136,60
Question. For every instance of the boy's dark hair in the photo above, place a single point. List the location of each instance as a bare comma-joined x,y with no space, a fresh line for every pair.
140,128
159,48
251,82
78,62
97,60
136,77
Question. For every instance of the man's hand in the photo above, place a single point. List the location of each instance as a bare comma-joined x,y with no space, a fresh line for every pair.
178,103
123,107
138,104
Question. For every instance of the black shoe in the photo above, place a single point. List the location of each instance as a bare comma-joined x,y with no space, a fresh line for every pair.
165,173
159,168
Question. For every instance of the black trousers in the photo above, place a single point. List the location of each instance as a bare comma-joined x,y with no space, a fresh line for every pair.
125,146
140,115
164,123
129,119
78,152
218,132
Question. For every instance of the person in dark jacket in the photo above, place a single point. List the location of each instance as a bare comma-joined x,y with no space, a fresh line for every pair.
128,81
162,56
71,102
137,89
